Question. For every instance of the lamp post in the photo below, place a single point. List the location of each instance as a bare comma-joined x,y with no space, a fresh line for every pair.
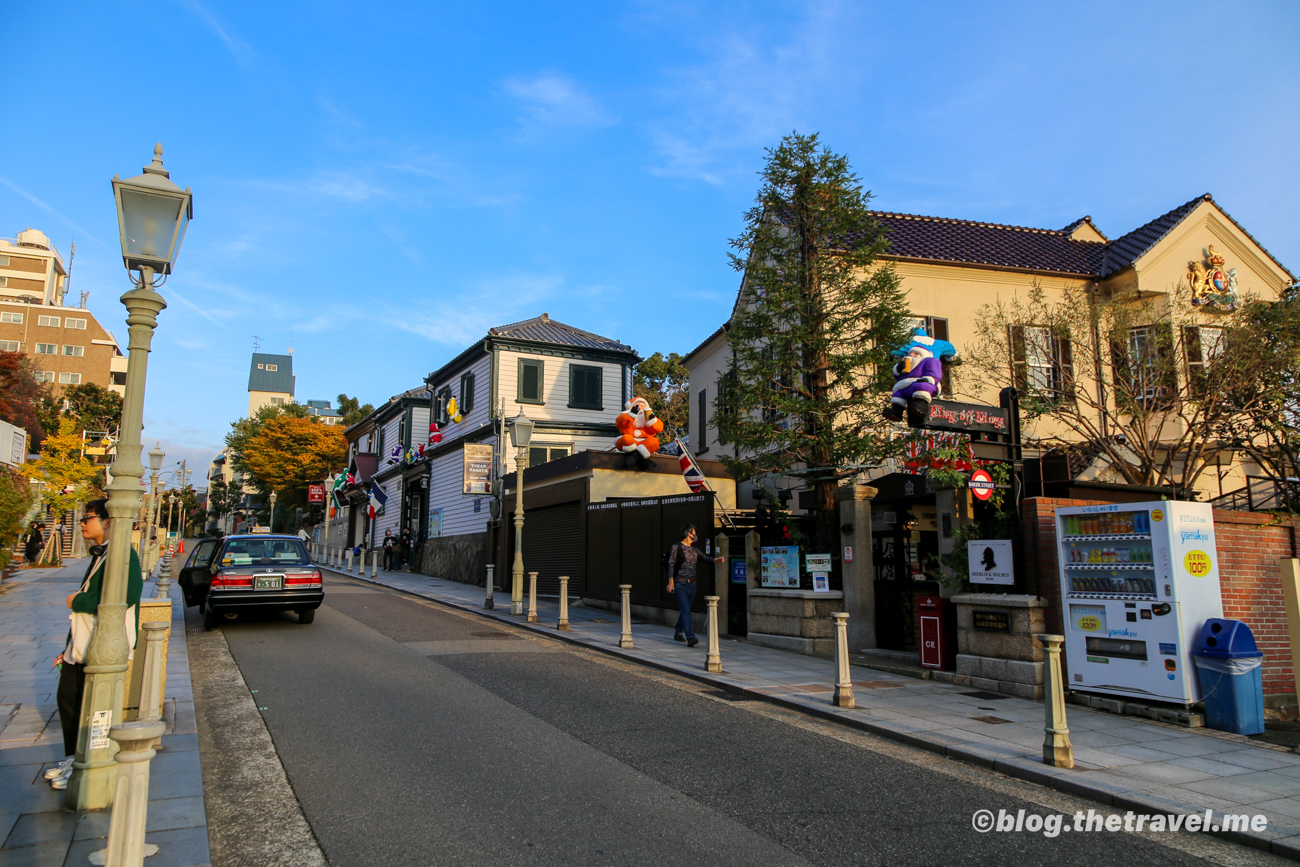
155,464
270,525
521,434
152,214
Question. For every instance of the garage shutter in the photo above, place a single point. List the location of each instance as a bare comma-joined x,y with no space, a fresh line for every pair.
552,547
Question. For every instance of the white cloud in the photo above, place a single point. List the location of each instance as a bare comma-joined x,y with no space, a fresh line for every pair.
49,210
554,100
238,49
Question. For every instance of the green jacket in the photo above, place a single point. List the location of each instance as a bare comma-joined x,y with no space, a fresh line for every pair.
87,601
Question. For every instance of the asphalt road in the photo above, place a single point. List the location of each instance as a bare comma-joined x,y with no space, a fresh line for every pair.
413,734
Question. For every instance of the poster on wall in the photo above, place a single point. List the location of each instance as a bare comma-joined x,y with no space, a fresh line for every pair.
990,561
435,522
780,566
478,468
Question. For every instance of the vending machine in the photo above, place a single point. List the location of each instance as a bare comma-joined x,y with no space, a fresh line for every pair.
1137,582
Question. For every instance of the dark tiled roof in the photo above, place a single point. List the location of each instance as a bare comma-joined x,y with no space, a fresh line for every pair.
544,329
940,239
1122,252
1079,222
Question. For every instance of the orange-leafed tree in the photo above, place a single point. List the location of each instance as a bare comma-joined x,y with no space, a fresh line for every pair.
286,454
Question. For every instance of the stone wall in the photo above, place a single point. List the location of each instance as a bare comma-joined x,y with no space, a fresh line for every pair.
457,558
1008,661
798,620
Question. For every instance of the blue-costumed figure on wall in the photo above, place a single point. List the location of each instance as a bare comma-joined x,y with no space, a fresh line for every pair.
918,376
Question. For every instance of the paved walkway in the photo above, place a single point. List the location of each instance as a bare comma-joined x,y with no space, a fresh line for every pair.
34,827
1123,762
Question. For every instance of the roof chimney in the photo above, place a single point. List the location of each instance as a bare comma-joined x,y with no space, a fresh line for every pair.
546,317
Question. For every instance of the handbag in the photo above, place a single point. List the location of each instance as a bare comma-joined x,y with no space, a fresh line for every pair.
83,626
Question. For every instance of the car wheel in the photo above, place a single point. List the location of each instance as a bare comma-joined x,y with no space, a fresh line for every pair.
306,615
211,619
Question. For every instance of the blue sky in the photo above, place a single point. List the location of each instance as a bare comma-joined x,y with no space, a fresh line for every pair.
380,183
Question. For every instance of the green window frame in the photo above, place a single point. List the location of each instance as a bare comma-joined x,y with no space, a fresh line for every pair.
531,379
586,387
466,402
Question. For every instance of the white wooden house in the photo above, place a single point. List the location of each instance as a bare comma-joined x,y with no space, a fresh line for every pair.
570,382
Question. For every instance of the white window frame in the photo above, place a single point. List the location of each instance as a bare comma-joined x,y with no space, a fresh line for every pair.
69,379
11,317
6,345
79,324
46,349
44,376
77,351
48,321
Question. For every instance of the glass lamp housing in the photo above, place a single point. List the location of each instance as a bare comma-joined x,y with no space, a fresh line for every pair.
521,431
152,215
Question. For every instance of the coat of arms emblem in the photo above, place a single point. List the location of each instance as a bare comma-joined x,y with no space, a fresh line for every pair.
1212,286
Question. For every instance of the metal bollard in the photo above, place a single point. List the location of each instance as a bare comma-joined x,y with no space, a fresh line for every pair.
374,563
1057,750
532,597
713,662
151,681
843,682
126,844
563,625
625,637
487,601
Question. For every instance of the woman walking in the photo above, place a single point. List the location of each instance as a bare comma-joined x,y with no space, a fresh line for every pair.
682,560
35,542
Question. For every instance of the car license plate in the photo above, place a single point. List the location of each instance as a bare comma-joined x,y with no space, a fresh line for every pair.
268,582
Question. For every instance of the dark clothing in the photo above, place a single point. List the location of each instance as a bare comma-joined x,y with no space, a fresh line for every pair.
684,590
72,683
32,549
683,561
404,547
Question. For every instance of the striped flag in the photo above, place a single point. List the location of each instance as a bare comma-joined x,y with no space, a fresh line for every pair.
691,471
378,499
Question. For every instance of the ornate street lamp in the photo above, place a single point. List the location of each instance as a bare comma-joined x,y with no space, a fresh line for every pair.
155,464
270,525
521,434
152,214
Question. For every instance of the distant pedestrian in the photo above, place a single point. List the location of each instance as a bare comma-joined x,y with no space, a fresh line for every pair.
304,535
683,559
404,547
84,605
390,549
35,542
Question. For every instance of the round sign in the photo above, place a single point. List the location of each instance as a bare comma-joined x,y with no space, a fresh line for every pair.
1197,564
981,484
1157,515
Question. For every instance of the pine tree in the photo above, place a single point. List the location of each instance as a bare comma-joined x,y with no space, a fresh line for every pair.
817,318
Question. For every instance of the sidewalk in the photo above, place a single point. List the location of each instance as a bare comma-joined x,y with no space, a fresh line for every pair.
1122,762
34,827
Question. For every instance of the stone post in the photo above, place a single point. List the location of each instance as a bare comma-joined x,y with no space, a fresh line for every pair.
859,573
532,597
126,846
563,625
151,682
843,680
164,583
348,560
488,603
1057,750
713,662
374,563
625,637
753,568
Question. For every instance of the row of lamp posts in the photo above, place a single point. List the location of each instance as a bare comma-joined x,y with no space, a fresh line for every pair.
152,214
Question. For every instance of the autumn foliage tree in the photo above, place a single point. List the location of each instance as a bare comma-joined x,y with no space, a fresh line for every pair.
20,396
285,454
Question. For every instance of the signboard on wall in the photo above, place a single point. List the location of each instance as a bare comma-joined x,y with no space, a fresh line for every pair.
949,415
478,469
989,561
435,522
780,566
315,493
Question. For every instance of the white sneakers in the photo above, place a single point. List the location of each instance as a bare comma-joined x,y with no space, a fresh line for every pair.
58,775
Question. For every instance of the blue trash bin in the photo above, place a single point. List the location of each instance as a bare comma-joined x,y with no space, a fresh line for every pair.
1229,668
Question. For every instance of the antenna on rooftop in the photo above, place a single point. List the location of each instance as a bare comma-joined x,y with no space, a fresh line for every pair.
67,284
291,344
257,343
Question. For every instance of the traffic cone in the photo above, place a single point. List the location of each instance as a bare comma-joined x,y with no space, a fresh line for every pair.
181,548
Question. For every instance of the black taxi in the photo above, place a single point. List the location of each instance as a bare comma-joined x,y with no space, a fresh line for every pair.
237,573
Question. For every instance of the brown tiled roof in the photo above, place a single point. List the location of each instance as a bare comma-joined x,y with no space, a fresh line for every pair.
544,329
941,239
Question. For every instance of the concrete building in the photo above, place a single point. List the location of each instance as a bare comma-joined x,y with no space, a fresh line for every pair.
67,345
270,381
322,410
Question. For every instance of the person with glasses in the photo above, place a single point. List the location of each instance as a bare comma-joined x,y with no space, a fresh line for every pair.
72,674
682,560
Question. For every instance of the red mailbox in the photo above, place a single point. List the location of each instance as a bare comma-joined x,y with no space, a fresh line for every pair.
938,619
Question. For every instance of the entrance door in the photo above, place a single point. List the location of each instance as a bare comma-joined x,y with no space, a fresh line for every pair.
895,628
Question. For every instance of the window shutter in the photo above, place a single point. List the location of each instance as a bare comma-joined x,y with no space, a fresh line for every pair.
1019,364
530,380
937,326
466,402
1065,369
1195,360
702,409
1121,376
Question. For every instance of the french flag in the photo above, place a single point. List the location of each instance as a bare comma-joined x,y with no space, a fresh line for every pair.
378,499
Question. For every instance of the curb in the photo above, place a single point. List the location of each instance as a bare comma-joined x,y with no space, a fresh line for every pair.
1057,779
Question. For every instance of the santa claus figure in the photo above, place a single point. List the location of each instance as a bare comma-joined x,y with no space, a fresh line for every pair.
638,428
916,382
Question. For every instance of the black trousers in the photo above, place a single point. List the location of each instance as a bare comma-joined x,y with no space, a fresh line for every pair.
388,559
72,685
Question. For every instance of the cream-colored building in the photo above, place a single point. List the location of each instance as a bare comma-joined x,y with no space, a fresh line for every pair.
67,345
270,381
951,269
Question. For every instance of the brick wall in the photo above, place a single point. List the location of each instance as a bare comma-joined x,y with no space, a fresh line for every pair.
1249,546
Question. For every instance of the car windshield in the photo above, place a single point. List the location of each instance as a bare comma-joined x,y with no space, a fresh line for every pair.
265,552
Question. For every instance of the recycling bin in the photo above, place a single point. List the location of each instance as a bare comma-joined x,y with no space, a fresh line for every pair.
1229,667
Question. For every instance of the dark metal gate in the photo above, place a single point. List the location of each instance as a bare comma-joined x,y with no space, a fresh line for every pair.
552,547
626,541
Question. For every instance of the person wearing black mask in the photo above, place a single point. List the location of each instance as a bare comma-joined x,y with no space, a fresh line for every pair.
71,662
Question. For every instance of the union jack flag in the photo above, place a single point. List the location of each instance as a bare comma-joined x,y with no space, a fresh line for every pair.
692,473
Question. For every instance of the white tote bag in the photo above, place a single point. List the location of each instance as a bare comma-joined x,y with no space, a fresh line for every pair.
83,626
